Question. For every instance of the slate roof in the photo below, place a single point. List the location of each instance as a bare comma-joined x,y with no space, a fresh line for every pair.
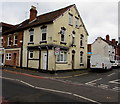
41,19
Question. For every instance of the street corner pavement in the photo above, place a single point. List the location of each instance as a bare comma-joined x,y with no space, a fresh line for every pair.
57,75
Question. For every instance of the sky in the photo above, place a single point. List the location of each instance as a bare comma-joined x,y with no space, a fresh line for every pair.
100,17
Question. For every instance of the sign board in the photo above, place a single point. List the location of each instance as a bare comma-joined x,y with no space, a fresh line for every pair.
89,53
57,51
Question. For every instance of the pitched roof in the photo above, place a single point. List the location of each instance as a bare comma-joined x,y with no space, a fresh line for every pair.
41,19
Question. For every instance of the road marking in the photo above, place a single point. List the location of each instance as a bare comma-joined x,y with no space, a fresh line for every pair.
116,88
110,74
80,74
103,86
115,81
52,90
91,82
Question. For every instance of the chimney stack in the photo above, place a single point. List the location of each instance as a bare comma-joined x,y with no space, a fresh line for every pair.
33,13
107,38
113,41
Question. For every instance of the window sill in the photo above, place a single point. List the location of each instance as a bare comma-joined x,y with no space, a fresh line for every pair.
30,43
81,64
15,44
73,45
61,62
70,24
8,45
63,43
82,47
43,42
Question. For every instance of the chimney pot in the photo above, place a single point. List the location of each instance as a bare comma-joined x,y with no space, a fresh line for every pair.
107,37
113,41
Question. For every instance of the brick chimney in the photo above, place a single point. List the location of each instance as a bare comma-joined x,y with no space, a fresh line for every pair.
107,37
33,13
113,41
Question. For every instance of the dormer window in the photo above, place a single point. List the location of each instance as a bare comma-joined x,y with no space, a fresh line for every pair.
31,35
70,19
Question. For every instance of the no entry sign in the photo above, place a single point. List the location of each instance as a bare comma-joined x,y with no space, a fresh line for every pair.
57,51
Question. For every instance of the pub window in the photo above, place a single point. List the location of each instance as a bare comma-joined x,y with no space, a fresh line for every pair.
62,57
30,54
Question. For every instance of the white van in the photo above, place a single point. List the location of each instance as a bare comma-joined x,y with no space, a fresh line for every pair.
99,62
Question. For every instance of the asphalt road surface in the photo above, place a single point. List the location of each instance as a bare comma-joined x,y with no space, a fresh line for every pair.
17,92
93,87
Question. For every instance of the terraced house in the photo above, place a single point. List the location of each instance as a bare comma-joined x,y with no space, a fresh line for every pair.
55,41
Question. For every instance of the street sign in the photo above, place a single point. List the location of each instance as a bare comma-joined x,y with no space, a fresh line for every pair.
57,51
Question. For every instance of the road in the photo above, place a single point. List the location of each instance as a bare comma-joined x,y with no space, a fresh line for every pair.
93,87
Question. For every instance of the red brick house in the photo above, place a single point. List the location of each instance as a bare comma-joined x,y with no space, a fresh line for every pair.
11,41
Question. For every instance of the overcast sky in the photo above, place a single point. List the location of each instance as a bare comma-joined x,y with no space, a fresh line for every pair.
100,18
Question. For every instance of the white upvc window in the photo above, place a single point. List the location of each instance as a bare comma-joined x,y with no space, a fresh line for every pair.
44,34
31,35
62,57
15,39
70,19
76,23
9,40
8,56
30,54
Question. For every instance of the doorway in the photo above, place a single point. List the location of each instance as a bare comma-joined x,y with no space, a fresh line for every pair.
44,63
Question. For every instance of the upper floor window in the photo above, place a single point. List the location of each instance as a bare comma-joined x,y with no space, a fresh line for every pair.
62,32
70,19
73,37
31,34
9,40
81,40
76,23
8,56
62,57
30,54
15,39
1,39
44,33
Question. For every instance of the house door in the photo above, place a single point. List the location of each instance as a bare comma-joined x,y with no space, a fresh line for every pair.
44,65
15,60
73,57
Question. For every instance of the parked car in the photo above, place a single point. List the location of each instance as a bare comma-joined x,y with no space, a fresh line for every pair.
99,62
115,63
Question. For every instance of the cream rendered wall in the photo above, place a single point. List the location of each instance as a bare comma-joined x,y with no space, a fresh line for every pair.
63,21
36,40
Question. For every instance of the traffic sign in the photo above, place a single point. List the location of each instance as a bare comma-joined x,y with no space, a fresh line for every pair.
57,51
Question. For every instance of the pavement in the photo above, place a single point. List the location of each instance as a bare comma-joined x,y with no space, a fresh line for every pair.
63,74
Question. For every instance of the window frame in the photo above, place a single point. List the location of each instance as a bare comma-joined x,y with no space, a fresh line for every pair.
30,52
81,40
64,56
62,33
70,19
15,39
9,40
31,33
76,22
43,33
8,56
81,57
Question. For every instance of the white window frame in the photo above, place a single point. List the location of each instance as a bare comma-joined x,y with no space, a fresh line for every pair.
15,39
30,52
9,40
8,56
62,53
70,19
44,32
31,34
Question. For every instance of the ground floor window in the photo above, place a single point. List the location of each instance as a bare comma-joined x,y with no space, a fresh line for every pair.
8,56
62,57
81,57
30,54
